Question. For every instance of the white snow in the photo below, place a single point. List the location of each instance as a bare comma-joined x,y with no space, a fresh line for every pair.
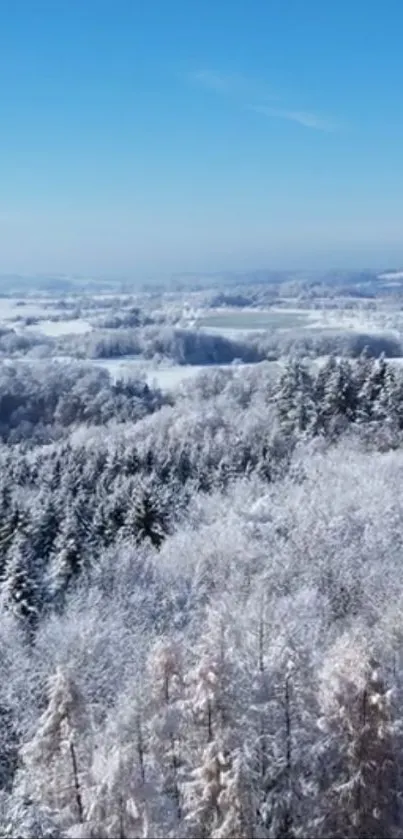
76,326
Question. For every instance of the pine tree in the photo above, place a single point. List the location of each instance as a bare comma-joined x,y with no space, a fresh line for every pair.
8,747
20,589
388,407
102,532
370,393
335,400
13,524
116,516
293,399
146,519
67,558
45,526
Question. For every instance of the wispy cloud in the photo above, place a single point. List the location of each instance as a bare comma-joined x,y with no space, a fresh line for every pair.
305,118
214,81
241,88
232,85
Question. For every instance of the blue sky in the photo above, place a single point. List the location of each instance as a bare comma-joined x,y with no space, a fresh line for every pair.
153,135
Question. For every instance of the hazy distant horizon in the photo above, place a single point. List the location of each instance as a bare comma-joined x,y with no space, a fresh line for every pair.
165,277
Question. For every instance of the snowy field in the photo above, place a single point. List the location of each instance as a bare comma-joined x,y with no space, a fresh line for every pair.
235,322
251,320
12,308
54,328
232,323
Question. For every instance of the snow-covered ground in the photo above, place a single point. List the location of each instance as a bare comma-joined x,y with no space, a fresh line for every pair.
391,275
235,323
76,326
11,308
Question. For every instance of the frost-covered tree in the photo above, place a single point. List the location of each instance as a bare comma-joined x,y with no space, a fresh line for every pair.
146,519
117,799
45,525
212,707
165,726
20,589
204,815
360,799
335,397
8,747
370,394
55,760
293,398
21,816
67,558
237,800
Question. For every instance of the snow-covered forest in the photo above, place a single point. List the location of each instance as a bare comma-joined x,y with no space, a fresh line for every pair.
201,586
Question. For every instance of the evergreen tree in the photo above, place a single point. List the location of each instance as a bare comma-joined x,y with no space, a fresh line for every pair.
20,589
8,747
146,519
15,523
337,405
370,393
45,526
388,407
293,398
67,558
102,532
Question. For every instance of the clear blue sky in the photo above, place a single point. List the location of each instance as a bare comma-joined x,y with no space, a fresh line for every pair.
200,134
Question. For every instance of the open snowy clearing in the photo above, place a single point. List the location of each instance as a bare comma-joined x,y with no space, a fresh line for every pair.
54,328
11,308
233,323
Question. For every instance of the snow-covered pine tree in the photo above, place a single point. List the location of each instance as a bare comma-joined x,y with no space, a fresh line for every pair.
13,523
45,525
20,589
293,398
146,518
67,558
336,406
8,747
388,408
371,392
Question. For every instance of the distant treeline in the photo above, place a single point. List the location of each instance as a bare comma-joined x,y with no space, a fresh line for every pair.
193,346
